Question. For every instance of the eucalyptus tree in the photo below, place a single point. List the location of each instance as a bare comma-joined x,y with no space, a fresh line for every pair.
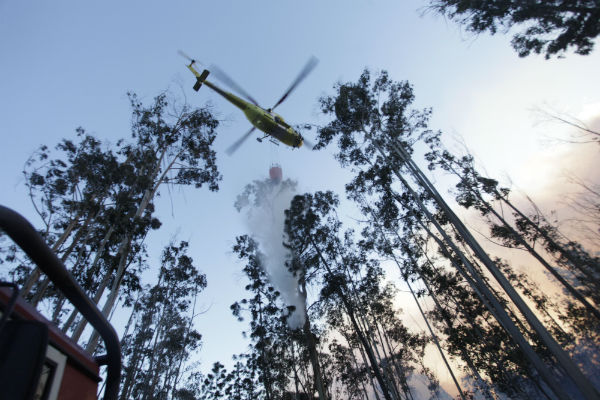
238,384
266,200
215,384
376,128
163,337
269,333
351,296
96,201
169,146
398,231
524,232
547,27
68,191
472,188
73,194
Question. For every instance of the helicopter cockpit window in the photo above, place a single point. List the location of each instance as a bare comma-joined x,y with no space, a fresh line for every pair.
278,119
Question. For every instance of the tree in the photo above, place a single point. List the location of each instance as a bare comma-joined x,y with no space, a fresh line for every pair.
376,128
352,297
68,191
163,337
96,201
270,335
471,190
170,149
269,199
548,27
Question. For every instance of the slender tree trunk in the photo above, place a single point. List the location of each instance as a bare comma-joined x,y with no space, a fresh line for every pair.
365,326
375,386
519,238
182,354
265,363
387,375
464,355
296,380
125,246
564,252
112,297
435,340
574,292
35,274
391,362
312,348
156,352
131,373
370,372
41,291
91,271
359,333
572,370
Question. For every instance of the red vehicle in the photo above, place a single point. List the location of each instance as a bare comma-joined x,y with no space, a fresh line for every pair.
37,360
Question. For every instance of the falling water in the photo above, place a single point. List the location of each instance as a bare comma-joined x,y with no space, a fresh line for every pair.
265,218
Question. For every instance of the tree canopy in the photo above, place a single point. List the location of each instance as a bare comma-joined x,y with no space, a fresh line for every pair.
548,27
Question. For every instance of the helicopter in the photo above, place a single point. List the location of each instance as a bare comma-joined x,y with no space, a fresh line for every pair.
271,124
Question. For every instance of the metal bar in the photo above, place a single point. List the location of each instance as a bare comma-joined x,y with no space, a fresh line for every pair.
26,237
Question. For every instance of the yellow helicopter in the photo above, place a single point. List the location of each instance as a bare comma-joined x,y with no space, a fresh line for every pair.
272,124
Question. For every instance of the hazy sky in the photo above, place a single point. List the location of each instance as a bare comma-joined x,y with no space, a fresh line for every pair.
65,64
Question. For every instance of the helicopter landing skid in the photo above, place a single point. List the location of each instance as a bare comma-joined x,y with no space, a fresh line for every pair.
259,140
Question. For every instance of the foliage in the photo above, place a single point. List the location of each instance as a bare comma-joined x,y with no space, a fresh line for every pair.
549,27
163,339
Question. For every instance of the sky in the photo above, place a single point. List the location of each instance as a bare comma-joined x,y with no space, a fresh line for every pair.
65,64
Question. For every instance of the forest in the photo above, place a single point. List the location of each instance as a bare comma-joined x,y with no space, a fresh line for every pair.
321,313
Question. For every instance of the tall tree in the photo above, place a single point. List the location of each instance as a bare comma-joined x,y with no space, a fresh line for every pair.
351,294
269,198
376,129
68,191
163,337
548,27
472,188
170,147
269,332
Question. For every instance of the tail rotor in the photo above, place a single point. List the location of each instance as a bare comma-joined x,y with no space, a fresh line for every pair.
184,55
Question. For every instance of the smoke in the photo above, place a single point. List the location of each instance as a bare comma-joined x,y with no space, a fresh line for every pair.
265,219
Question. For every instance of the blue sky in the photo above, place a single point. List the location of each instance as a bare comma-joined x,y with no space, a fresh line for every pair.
65,64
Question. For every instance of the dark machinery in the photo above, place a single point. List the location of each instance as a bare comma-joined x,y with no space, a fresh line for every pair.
37,361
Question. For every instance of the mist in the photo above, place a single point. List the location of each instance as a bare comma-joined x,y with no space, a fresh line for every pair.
265,219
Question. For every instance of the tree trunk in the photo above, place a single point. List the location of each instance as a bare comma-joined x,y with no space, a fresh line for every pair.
359,333
524,243
98,295
564,252
365,362
112,297
312,348
35,274
125,246
542,261
572,370
182,355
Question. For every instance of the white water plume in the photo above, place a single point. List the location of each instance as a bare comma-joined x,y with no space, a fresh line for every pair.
265,218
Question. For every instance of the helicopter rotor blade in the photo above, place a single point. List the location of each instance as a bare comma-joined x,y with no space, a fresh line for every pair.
310,65
190,59
223,77
233,148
